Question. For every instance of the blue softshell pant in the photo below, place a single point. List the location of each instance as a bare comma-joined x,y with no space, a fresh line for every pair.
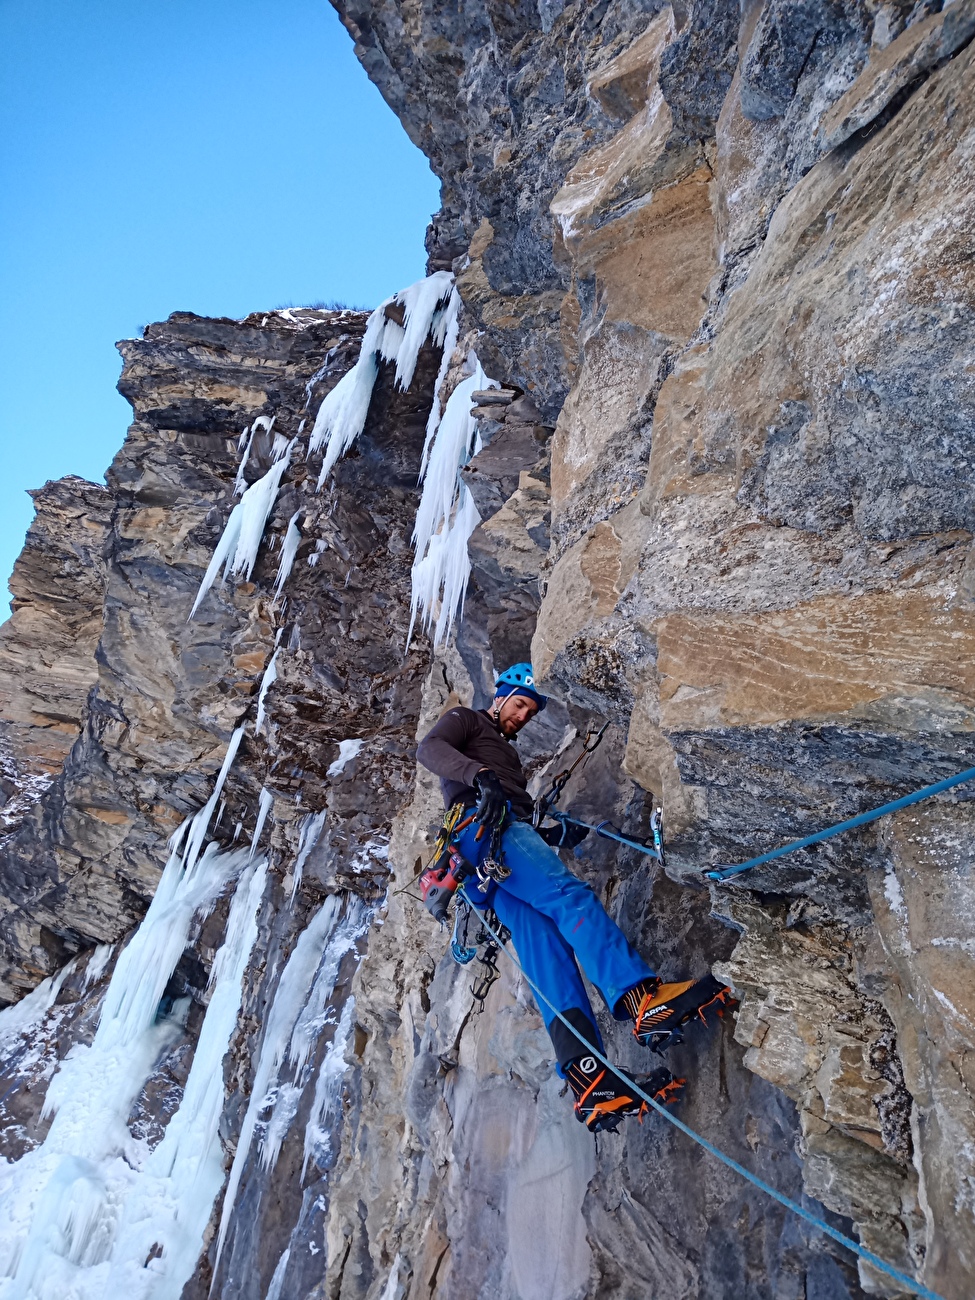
555,921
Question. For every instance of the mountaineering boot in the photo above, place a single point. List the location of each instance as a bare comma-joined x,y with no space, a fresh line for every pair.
605,1097
658,1010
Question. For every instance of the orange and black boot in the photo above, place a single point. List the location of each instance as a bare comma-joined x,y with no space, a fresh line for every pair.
658,1010
604,1097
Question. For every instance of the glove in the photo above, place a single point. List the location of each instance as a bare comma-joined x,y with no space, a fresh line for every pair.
563,835
492,803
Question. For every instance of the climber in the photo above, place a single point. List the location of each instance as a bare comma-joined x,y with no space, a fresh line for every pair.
554,918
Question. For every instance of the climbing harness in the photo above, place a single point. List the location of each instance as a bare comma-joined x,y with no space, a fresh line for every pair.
549,800
755,1181
446,874
721,872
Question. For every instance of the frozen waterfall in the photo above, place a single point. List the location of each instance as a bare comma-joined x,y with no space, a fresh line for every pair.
91,1212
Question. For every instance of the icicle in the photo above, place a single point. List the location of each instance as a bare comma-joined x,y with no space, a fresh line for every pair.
277,1277
311,829
289,549
342,414
97,963
236,551
316,1012
265,803
195,827
240,483
447,515
270,675
172,1201
450,323
347,752
420,301
80,1214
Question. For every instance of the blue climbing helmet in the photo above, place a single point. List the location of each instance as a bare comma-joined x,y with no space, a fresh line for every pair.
520,680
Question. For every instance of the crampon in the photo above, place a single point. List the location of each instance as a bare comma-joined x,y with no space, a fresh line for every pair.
664,1009
604,1098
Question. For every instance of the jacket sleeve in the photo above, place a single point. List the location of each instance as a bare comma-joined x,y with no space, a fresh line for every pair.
441,749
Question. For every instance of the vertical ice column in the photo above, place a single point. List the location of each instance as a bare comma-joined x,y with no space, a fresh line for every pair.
300,1011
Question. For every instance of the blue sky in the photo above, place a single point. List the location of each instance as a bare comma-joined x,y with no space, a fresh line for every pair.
216,156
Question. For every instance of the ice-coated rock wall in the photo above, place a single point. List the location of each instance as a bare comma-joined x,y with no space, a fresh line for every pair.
718,260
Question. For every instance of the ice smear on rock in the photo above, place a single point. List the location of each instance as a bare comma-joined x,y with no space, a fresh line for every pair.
277,1279
301,1008
311,829
236,551
270,675
447,514
264,806
24,1016
328,1091
342,414
81,1214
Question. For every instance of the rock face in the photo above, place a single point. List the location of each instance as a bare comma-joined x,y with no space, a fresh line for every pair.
719,260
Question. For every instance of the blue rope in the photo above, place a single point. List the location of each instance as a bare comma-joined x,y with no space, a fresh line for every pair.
755,1181
725,873
607,835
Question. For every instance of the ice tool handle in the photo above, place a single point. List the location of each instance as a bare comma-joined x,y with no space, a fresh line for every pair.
609,832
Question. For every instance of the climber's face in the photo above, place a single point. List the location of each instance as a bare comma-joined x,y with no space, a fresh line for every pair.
512,712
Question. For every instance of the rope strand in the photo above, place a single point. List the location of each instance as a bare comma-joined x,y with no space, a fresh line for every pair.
721,873
755,1181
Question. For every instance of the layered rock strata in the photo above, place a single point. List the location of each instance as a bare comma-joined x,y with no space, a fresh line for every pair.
718,262
727,251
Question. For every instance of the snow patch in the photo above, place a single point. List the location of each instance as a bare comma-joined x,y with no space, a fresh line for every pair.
347,752
895,895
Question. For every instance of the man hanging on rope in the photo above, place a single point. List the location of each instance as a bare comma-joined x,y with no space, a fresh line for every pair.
554,918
